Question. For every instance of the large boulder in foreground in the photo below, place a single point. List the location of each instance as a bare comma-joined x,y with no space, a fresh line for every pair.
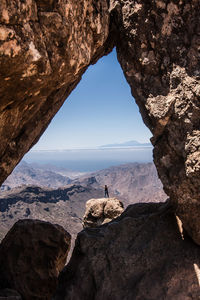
101,211
140,255
31,256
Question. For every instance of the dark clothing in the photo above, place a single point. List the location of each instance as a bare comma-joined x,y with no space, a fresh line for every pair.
106,192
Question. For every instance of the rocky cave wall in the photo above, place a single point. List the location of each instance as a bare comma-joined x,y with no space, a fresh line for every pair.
159,50
45,46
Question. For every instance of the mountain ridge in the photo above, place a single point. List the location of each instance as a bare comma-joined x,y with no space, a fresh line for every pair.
132,143
132,182
65,205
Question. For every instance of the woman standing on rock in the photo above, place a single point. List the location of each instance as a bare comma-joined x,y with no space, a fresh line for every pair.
106,192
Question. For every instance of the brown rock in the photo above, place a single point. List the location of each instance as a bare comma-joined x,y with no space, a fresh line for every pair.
101,211
158,48
8,294
140,255
45,46
31,256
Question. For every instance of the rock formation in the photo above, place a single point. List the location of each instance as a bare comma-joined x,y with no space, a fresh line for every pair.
140,255
8,294
101,211
158,48
45,46
31,256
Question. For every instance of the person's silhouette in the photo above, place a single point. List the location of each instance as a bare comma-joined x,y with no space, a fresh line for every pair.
106,191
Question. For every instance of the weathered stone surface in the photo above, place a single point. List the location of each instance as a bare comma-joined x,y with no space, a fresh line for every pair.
101,211
158,48
45,46
8,294
140,255
31,256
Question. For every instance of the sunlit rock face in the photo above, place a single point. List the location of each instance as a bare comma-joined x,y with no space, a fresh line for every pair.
158,47
101,211
45,46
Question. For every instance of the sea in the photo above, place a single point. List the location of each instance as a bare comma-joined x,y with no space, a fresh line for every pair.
89,160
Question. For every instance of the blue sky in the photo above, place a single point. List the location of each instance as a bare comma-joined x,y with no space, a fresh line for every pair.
101,110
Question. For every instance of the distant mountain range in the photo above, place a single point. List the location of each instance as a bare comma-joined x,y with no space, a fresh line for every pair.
47,195
126,144
64,206
133,182
39,175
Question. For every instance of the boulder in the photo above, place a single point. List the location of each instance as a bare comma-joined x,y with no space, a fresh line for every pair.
31,256
101,211
140,255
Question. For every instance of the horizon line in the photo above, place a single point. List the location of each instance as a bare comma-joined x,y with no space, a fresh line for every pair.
93,148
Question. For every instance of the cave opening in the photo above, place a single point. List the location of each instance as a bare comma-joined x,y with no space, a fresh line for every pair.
98,129
158,47
100,114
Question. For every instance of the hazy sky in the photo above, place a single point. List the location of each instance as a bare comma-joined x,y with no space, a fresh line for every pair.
99,111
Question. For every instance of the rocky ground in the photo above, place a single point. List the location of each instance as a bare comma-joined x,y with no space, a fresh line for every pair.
143,254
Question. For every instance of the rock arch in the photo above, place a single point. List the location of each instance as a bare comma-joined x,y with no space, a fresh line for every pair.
45,46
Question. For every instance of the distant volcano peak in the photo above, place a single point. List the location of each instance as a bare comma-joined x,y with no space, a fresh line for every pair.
132,143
